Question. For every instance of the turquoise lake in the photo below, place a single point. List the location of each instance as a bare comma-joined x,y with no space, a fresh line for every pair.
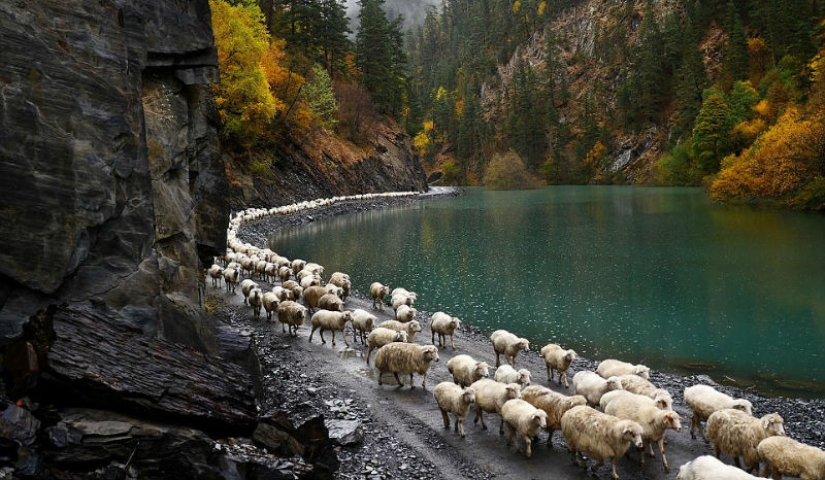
660,276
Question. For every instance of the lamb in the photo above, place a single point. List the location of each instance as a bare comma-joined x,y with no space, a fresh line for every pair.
612,367
255,300
525,419
332,321
443,325
508,344
405,358
734,432
552,403
490,396
704,400
637,384
381,336
707,467
592,386
600,435
410,327
270,302
378,292
466,370
405,313
557,358
312,296
330,301
508,374
216,273
654,422
454,399
230,277
292,314
785,456
362,324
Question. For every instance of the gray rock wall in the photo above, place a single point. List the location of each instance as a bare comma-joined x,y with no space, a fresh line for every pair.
111,183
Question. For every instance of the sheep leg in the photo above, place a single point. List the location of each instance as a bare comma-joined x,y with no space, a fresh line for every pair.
345,338
321,333
550,374
564,374
400,383
480,415
459,421
511,432
369,352
452,341
693,422
498,361
501,425
662,452
311,333
528,443
446,419
613,464
432,338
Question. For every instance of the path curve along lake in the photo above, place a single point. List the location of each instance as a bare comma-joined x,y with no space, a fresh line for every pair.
659,276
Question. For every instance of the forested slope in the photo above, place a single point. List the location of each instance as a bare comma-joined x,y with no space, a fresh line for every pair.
726,95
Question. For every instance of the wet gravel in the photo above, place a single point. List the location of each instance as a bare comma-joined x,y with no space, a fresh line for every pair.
293,384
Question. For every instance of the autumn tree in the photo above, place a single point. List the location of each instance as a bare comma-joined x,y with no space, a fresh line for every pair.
245,102
320,96
507,171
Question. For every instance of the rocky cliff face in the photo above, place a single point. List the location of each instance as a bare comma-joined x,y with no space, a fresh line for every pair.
111,184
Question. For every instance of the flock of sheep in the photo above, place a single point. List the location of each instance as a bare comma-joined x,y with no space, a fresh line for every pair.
612,408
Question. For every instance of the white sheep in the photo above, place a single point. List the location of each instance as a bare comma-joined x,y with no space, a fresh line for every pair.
255,300
342,281
490,396
284,273
216,274
443,325
508,344
508,374
330,320
557,359
456,400
282,293
410,327
654,422
734,432
592,386
405,313
400,296
310,280
298,265
613,368
378,292
786,456
362,324
704,400
614,394
525,419
405,358
602,436
553,404
466,370
380,336
246,286
230,277
270,301
708,467
637,384
292,314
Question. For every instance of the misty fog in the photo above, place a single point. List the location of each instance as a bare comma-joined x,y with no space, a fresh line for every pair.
412,10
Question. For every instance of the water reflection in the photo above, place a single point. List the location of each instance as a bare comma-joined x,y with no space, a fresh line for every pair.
648,275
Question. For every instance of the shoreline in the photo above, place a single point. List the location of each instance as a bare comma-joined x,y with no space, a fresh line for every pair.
804,419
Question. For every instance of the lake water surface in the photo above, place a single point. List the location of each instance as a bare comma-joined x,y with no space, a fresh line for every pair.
659,276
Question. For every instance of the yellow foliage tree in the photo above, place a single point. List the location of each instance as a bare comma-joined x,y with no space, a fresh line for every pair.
507,172
777,165
244,100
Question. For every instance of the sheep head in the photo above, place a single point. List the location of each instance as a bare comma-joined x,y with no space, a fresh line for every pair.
772,423
524,377
642,371
469,395
743,405
430,353
414,326
482,370
569,356
513,391
539,418
631,432
672,420
576,400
